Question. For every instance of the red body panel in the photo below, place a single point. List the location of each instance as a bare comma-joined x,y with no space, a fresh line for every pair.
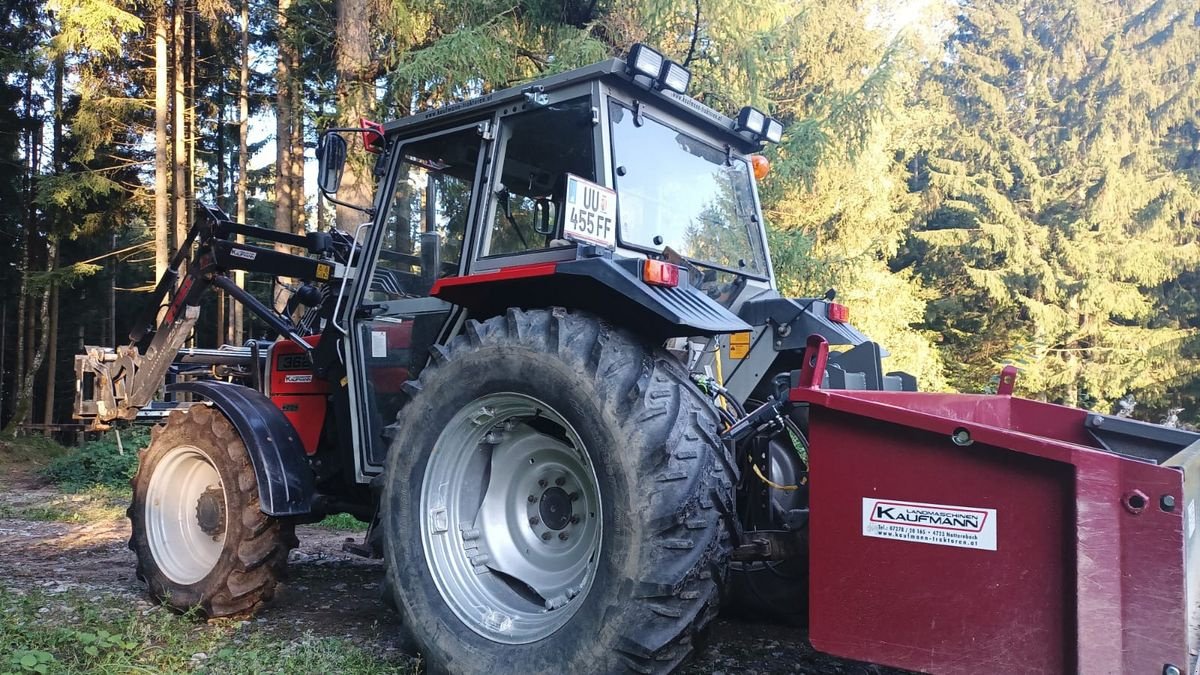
1078,581
297,391
504,273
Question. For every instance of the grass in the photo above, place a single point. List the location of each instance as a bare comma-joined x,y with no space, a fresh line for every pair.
74,632
343,521
95,504
35,449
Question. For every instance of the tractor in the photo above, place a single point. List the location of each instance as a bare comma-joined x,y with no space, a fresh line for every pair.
552,371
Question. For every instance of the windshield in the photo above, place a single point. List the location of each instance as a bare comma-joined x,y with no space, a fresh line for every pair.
676,191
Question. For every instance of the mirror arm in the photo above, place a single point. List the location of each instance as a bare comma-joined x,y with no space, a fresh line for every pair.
369,210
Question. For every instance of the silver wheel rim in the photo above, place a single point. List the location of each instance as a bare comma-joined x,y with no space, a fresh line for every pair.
181,493
511,518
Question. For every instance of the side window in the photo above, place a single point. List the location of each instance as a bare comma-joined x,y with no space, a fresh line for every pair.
538,148
432,194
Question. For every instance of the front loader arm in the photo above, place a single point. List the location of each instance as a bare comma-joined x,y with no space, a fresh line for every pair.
115,384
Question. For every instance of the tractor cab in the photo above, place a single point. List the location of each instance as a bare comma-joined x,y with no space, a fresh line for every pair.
610,171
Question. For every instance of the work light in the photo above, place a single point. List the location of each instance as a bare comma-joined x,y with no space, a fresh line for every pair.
752,120
674,77
644,61
774,130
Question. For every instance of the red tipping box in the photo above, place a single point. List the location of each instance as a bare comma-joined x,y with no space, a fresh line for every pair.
1070,575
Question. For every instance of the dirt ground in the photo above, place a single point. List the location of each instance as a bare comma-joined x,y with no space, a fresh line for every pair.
329,593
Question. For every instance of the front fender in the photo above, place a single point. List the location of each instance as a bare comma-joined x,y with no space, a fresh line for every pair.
285,481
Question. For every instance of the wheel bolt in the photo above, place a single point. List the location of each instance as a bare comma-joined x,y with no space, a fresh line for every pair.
574,520
560,481
546,536
563,536
542,482
534,520
574,496
532,499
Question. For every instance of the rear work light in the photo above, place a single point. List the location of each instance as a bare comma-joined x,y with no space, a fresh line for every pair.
659,273
837,313
372,137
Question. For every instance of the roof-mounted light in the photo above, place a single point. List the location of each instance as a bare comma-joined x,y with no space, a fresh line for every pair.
645,61
774,132
756,123
752,120
674,77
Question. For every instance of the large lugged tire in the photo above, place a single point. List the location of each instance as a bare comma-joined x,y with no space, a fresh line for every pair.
553,502
201,540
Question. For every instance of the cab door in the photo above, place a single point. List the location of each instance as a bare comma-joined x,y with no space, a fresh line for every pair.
425,218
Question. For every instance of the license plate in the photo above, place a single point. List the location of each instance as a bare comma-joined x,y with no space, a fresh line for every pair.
591,213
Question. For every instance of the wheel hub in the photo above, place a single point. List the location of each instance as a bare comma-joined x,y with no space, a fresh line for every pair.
210,511
555,508
185,514
512,518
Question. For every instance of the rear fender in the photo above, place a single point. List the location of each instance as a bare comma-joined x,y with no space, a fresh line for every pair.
611,288
285,481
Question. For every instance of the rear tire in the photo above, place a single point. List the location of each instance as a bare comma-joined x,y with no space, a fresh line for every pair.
200,538
633,422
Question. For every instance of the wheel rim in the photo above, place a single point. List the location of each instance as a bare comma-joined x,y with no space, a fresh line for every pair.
511,518
185,515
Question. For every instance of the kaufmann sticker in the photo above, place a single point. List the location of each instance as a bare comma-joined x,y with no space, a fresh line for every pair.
591,214
937,524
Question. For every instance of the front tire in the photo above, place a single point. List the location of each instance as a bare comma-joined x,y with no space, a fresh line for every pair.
201,540
495,571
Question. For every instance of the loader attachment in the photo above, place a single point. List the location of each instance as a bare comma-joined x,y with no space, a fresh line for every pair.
957,533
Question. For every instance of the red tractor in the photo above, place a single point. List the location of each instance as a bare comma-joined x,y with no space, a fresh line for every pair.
552,371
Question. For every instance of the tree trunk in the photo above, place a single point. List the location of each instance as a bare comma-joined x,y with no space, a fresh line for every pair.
283,123
296,151
161,226
178,131
24,395
284,204
237,312
355,97
52,262
222,159
51,357
189,126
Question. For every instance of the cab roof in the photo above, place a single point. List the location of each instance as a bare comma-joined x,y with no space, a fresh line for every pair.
612,72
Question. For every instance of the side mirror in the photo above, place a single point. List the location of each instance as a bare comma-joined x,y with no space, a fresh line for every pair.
541,217
431,259
331,162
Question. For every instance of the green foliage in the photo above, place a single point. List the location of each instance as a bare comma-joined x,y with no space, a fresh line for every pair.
95,25
343,521
102,461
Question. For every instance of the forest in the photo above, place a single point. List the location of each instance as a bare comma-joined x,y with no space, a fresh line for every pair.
984,182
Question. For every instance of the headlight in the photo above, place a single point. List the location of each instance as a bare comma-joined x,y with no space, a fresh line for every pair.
644,61
675,77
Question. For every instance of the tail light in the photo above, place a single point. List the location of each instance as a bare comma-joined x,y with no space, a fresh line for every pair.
372,138
659,273
837,313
